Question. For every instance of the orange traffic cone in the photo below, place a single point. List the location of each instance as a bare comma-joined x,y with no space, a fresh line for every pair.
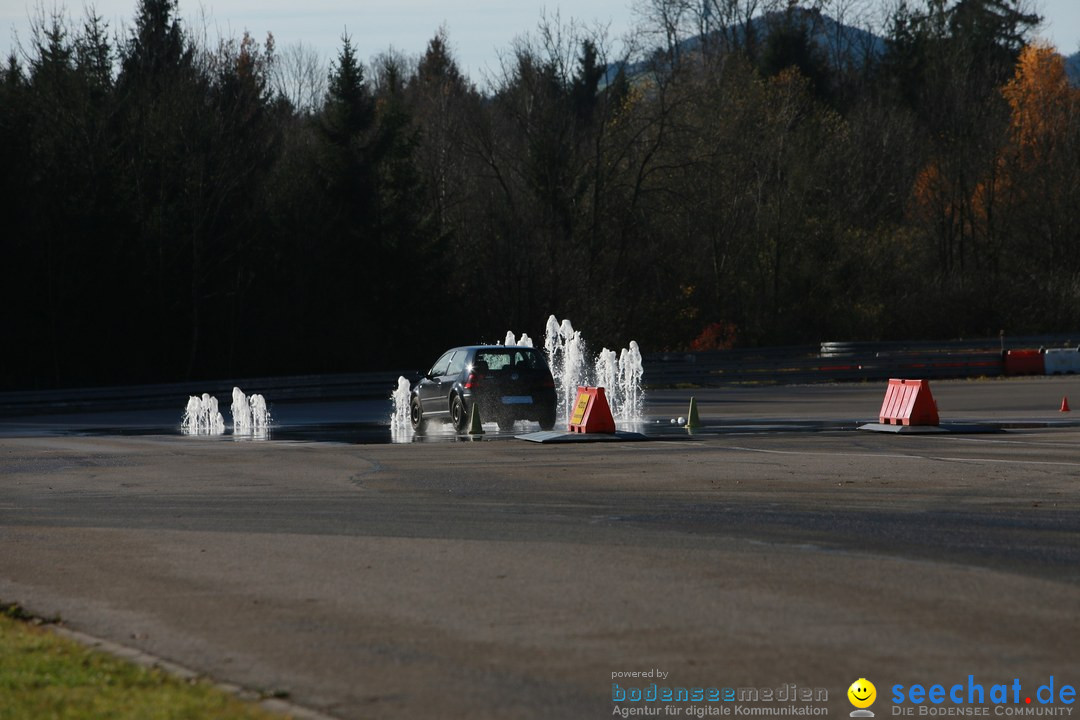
1065,404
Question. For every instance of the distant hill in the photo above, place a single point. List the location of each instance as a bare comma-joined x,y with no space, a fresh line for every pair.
841,43
1072,68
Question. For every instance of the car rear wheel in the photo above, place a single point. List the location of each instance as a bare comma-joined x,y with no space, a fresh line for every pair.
416,415
547,420
458,416
506,424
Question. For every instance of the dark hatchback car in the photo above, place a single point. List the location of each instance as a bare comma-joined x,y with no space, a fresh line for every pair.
507,384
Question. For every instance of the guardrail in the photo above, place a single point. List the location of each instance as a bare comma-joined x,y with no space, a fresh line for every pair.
842,361
801,364
141,397
706,369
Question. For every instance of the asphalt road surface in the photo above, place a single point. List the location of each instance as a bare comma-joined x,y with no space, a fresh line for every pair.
505,579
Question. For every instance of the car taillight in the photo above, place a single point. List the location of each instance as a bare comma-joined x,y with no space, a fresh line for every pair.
472,381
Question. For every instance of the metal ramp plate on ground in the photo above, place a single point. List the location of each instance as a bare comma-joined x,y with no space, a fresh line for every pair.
946,428
551,437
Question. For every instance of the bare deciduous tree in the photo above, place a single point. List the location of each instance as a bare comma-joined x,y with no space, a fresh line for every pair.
299,76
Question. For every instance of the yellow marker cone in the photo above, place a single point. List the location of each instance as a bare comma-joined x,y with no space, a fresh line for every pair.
693,420
475,428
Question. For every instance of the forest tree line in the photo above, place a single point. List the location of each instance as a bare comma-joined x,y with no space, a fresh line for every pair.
175,209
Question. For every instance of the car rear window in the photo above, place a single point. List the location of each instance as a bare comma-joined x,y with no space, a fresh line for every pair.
510,359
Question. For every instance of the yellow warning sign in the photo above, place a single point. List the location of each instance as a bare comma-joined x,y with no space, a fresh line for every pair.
580,407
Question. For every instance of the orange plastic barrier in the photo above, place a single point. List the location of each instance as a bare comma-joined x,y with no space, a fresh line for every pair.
908,402
1024,362
591,413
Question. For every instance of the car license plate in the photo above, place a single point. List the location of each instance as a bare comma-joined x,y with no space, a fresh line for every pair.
517,399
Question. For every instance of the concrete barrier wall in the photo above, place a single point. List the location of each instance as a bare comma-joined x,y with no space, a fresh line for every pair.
1063,361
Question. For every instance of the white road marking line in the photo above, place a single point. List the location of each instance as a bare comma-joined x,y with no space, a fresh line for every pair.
903,457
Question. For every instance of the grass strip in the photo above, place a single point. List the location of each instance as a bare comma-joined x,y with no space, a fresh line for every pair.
47,677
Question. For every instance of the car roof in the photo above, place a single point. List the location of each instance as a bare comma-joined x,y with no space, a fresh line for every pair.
494,347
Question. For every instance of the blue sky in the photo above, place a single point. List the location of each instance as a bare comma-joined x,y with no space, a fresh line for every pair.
478,29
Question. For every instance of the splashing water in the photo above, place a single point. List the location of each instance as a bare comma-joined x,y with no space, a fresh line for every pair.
260,415
575,368
607,374
399,419
553,347
620,374
250,415
256,420
566,357
630,397
551,337
241,412
202,417
523,341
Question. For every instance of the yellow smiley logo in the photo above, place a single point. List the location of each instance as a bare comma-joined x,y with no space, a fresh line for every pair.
862,693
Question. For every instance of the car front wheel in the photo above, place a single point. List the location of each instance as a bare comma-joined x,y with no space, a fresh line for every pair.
416,415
